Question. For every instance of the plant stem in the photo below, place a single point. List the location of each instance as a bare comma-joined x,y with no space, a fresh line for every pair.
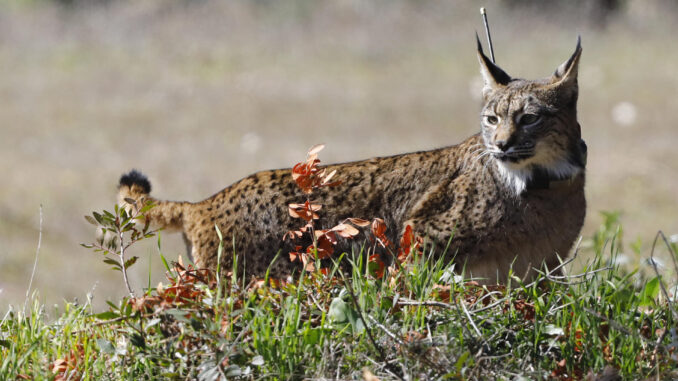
122,263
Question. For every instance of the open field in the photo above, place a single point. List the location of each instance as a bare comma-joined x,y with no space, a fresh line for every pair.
198,95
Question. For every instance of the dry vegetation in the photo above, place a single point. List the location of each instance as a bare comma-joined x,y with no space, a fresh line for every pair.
200,94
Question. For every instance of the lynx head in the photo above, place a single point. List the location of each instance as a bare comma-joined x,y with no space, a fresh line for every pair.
530,127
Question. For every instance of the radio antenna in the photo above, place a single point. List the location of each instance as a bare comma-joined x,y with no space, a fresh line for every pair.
483,13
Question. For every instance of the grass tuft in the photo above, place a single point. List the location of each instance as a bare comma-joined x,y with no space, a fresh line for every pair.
425,323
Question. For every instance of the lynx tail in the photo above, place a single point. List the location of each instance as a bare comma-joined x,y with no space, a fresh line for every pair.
133,185
133,194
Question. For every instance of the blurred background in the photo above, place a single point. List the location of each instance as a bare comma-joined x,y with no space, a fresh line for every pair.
198,94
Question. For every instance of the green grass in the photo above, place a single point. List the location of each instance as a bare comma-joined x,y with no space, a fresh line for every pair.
179,89
421,323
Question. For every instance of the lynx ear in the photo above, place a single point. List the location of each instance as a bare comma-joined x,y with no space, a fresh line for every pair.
493,76
566,74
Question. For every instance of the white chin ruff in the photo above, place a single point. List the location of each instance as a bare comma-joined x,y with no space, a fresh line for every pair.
516,178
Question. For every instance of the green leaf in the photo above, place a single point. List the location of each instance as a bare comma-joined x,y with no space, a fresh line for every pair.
108,315
152,322
386,303
105,346
147,225
146,208
162,257
312,336
341,313
5,343
91,220
98,217
131,261
233,371
650,292
112,262
461,361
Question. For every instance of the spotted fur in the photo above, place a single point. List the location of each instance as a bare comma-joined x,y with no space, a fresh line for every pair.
490,198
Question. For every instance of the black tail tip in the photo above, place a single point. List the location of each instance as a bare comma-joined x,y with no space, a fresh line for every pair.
135,177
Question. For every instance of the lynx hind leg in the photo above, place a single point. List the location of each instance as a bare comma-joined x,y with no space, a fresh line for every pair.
189,248
202,246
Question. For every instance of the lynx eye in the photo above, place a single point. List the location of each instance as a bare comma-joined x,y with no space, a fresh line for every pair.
529,119
491,120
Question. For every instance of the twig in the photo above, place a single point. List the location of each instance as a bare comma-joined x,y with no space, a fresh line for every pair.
434,303
386,330
491,305
483,298
35,263
586,273
555,278
470,319
122,264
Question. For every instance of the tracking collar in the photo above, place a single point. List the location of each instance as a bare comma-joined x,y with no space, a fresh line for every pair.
543,179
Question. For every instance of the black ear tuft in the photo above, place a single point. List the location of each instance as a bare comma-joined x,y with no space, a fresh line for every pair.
135,177
568,69
492,74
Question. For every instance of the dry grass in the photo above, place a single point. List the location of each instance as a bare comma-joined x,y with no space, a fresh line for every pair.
198,95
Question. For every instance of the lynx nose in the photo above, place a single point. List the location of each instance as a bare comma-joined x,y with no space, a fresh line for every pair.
503,139
502,145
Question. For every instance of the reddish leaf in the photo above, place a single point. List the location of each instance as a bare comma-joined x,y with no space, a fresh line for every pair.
315,149
408,242
325,246
305,211
332,237
379,231
378,227
376,265
59,366
293,234
359,222
327,178
346,230
294,255
443,292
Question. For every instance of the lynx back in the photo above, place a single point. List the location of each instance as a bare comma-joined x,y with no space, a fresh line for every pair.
511,196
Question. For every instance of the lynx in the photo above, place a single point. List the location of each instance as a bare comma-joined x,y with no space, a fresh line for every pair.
511,196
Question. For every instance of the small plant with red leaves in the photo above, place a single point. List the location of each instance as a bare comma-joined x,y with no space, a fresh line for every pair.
309,176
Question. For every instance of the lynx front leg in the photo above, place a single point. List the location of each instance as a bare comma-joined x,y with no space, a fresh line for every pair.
474,250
